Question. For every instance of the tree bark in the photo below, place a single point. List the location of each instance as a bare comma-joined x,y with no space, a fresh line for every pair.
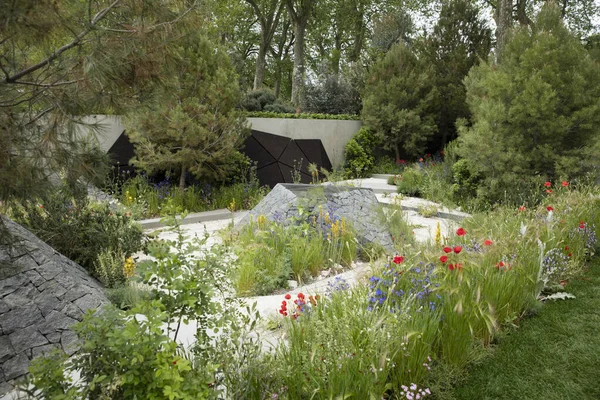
299,67
259,73
503,25
182,178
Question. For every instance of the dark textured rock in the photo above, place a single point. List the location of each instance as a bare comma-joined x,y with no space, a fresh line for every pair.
15,367
21,297
53,288
11,284
88,301
71,310
56,322
42,294
6,349
69,342
43,350
26,339
35,278
47,302
358,206
49,270
20,317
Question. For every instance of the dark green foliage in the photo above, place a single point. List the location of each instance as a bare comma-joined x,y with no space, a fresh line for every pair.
535,114
358,153
264,114
332,96
264,100
79,230
189,123
397,102
410,182
466,180
458,41
63,60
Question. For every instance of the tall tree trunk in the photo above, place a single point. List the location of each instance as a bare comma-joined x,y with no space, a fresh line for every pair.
503,25
259,74
299,67
277,85
337,56
182,178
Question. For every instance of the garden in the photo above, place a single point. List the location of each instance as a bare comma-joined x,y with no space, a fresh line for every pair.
498,299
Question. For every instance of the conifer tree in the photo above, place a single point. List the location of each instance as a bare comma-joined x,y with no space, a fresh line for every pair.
535,113
188,122
397,102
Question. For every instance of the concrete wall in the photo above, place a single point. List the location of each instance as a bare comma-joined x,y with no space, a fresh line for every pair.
109,129
333,133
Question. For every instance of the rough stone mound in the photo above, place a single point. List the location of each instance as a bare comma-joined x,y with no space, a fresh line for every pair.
359,206
42,293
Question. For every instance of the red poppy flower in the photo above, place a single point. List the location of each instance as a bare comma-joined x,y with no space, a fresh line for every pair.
570,254
549,191
444,259
500,264
447,249
398,259
461,232
451,267
174,362
567,248
581,225
522,208
565,183
301,295
288,296
421,159
487,242
547,184
549,208
457,249
285,314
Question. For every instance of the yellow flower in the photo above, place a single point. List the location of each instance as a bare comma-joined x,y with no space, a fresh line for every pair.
262,221
129,268
438,234
231,206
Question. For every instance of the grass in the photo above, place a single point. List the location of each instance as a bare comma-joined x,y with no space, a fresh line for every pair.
553,355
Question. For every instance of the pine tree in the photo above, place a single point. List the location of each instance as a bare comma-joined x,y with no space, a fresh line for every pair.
397,102
189,122
62,60
535,113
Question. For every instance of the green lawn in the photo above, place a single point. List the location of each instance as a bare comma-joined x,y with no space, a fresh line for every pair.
553,355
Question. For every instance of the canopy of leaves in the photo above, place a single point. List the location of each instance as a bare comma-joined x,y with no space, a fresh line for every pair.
397,102
60,61
459,40
538,112
189,121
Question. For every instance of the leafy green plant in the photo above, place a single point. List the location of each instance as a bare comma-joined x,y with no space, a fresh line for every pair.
410,182
265,114
78,229
358,153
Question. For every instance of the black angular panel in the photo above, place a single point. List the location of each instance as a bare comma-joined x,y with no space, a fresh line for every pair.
121,152
259,153
274,144
277,156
